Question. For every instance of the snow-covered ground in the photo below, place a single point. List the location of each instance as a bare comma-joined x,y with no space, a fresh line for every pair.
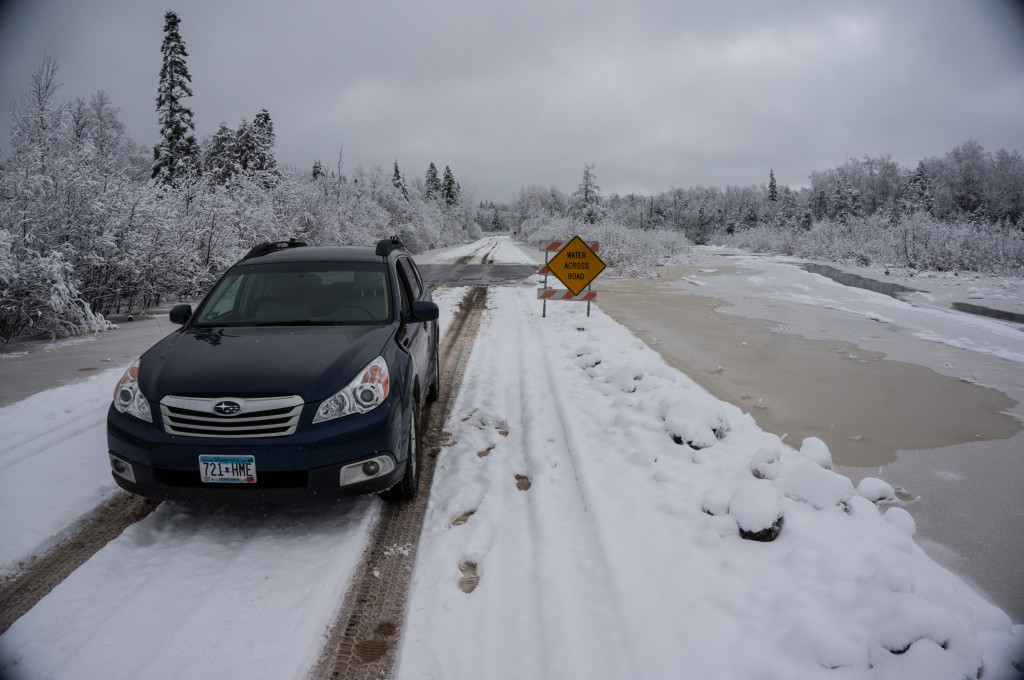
584,522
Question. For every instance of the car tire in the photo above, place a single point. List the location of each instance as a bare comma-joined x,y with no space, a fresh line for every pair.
435,384
405,489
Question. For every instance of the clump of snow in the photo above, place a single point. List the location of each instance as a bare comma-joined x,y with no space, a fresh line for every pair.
876,490
816,486
757,509
901,519
625,378
766,463
816,450
925,641
716,501
691,420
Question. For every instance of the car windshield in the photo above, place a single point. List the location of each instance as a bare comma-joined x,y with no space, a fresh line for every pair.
299,293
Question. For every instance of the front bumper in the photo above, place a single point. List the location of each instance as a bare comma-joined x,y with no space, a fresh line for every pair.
301,468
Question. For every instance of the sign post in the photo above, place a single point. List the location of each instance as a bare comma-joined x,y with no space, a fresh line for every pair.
576,265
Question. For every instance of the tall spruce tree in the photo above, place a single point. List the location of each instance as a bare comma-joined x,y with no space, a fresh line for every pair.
432,186
263,140
220,157
773,188
398,182
178,152
449,189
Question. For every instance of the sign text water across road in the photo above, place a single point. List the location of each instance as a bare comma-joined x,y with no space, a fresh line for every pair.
576,265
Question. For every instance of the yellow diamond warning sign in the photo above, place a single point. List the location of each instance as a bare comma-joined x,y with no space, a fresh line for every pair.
576,265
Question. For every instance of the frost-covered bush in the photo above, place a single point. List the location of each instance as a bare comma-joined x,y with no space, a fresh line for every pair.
631,252
38,294
917,241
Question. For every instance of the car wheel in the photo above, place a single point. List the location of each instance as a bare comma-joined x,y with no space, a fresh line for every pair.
435,383
405,489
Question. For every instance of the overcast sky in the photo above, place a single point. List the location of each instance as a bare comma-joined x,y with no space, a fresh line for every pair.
656,93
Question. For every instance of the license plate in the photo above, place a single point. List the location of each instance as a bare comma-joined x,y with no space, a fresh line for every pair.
229,469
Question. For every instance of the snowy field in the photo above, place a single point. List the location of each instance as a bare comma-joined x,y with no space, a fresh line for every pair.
584,522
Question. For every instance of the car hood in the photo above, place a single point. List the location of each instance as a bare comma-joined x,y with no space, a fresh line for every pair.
313,362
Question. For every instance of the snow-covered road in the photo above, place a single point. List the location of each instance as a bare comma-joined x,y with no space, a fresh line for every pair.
622,558
583,523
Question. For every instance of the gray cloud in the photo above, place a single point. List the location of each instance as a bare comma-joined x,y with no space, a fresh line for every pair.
660,94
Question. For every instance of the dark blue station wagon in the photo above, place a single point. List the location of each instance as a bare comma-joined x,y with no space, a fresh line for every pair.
300,376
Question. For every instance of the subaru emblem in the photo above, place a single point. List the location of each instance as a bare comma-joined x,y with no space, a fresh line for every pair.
227,408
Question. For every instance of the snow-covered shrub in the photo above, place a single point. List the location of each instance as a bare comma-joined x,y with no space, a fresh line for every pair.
917,241
630,252
38,294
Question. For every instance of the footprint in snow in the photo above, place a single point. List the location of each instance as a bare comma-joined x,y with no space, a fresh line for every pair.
463,518
377,646
469,579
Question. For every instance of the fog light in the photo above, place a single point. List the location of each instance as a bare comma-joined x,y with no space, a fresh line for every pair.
378,466
121,468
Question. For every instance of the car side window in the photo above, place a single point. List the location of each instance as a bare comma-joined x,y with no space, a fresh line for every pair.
416,274
405,291
411,277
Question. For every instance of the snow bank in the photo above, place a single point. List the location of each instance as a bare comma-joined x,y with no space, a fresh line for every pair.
623,556
53,464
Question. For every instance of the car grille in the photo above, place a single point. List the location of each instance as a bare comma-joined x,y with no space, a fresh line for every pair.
254,417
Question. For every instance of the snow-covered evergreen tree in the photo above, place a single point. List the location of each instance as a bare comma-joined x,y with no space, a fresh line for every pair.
221,156
449,189
177,154
585,205
773,189
259,152
398,182
432,185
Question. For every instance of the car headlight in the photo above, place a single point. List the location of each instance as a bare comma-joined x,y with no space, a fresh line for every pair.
128,398
366,392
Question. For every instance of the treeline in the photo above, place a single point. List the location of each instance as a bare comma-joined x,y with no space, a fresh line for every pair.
93,223
962,211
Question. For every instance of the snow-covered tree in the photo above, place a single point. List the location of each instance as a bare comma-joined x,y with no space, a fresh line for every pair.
585,202
221,155
398,182
432,185
258,145
773,189
449,189
177,154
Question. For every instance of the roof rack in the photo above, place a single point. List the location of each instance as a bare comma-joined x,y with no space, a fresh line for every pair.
264,248
385,247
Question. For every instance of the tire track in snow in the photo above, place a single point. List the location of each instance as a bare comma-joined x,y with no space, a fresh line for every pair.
21,593
565,499
363,642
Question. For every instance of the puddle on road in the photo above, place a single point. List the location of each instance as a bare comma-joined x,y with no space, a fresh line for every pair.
865,407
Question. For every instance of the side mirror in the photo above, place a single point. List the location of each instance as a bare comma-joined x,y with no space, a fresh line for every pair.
180,314
424,311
